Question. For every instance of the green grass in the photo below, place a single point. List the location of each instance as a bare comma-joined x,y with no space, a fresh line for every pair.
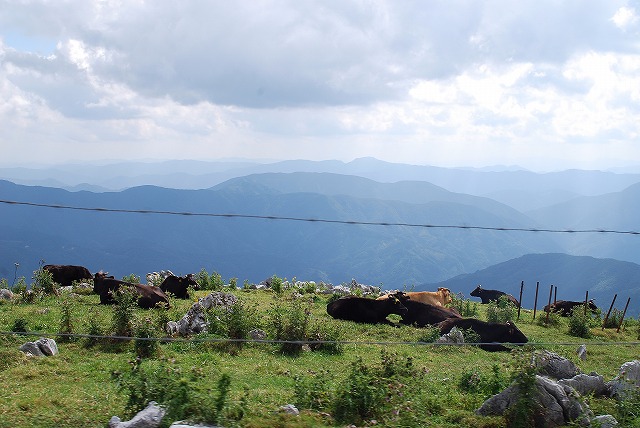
77,387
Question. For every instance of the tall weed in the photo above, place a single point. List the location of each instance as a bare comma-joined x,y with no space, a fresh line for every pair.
289,320
501,311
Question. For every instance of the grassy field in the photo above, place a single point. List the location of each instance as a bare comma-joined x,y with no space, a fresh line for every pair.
438,386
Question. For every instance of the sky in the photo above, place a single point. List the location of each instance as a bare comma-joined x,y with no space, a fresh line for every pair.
545,85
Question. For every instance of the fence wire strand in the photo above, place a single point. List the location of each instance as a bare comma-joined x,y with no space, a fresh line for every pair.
321,220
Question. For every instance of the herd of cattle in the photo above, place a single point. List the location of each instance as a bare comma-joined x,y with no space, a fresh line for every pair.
105,286
420,309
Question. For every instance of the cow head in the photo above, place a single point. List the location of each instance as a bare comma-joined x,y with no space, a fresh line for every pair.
446,294
476,292
396,301
592,306
515,335
191,281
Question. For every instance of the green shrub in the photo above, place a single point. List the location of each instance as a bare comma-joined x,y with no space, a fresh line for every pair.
180,393
429,334
94,329
521,413
131,278
145,345
213,282
277,284
43,282
328,336
314,391
579,324
123,311
20,287
615,317
553,320
66,322
501,311
20,325
375,392
289,320
466,307
234,322
628,407
474,381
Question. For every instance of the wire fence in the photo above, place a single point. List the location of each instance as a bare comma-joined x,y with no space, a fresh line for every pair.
199,340
321,220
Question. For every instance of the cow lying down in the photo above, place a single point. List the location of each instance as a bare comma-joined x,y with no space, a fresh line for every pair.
365,310
148,296
566,307
489,332
422,314
441,297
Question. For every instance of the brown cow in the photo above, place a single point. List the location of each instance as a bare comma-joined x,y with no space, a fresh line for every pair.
148,295
66,274
441,297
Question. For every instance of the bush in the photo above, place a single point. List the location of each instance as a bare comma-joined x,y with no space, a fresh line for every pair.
180,393
94,329
314,391
234,322
579,324
474,381
123,312
43,282
429,334
328,336
145,345
131,279
375,392
66,322
501,311
289,320
521,413
19,325
614,319
466,307
213,282
628,407
553,320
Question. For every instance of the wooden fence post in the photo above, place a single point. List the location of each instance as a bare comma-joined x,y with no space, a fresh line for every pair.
623,314
520,299
555,294
535,302
586,299
546,321
609,311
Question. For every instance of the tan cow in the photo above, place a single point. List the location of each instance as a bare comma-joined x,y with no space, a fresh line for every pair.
436,298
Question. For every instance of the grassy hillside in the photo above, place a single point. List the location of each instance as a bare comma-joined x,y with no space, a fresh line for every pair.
442,387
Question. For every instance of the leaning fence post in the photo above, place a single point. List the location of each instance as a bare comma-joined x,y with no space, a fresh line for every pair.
535,302
520,299
555,294
546,321
586,299
609,311
623,314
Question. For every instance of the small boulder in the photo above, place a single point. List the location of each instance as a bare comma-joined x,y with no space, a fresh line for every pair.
627,379
290,409
150,417
40,348
587,384
556,405
6,294
582,352
553,365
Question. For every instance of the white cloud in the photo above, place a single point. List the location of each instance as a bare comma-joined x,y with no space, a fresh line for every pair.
459,82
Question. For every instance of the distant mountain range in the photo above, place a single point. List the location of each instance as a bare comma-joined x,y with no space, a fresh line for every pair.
521,189
437,229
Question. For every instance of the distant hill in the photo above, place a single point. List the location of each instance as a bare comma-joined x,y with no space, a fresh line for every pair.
254,249
573,275
521,189
617,211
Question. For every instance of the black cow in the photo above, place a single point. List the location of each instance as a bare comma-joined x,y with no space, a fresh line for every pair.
177,285
66,274
423,314
148,295
565,307
489,295
489,332
365,310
